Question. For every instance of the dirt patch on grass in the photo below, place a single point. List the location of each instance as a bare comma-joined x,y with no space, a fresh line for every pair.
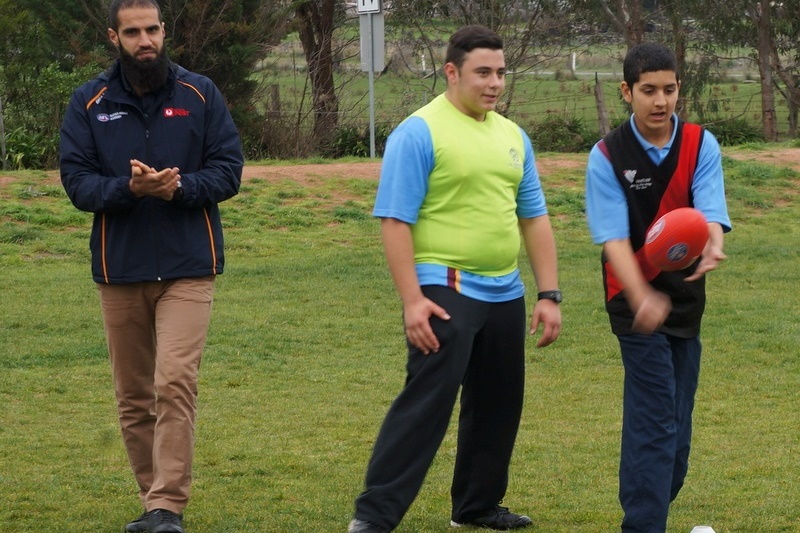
549,163
784,157
370,170
307,174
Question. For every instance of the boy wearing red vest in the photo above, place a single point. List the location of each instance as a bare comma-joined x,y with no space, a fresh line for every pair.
651,164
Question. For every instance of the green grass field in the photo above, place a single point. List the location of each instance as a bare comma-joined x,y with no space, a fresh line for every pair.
305,353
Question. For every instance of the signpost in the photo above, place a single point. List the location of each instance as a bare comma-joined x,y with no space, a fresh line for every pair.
368,6
372,53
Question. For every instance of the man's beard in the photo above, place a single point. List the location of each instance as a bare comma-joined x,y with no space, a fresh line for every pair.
146,76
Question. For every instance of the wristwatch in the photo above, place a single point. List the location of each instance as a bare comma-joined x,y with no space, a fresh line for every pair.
177,196
551,295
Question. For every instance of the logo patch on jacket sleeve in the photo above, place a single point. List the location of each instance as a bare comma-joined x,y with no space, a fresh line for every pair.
170,112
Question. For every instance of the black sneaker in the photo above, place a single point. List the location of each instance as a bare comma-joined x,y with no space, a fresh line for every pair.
163,521
362,526
499,518
139,525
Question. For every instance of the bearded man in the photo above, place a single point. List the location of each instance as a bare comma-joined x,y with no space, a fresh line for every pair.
151,149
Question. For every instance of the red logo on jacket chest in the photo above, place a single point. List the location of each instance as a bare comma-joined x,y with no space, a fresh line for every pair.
170,112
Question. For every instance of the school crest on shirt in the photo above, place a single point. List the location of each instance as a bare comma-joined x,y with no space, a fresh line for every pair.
515,161
637,184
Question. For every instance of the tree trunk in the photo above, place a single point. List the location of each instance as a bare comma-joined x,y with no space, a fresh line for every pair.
760,14
315,27
679,47
635,23
627,16
792,93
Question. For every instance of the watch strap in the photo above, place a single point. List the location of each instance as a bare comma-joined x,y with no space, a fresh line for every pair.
554,295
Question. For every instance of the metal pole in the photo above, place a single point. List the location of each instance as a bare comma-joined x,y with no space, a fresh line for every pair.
371,91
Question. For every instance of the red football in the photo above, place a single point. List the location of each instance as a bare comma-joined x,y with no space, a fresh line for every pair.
676,239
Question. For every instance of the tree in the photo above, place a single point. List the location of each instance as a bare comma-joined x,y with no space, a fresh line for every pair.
34,86
219,38
74,31
751,23
730,22
785,56
761,16
533,32
627,16
314,21
223,39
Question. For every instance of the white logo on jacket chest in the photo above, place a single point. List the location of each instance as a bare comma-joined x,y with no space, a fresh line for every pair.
105,117
640,184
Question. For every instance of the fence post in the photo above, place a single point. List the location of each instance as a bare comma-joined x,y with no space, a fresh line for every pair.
275,100
2,138
602,112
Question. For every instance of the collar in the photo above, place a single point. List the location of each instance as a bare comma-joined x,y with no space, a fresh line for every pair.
656,154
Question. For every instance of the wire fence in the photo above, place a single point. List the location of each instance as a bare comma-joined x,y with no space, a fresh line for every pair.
531,100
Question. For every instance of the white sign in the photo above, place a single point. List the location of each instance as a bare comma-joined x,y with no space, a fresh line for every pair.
368,6
372,42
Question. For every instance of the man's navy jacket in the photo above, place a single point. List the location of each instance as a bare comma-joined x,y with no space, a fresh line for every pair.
186,125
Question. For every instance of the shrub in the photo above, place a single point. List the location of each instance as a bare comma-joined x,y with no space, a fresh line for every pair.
31,149
35,102
561,133
355,140
732,132
278,136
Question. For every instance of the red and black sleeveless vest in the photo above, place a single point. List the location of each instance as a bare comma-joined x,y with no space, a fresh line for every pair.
652,190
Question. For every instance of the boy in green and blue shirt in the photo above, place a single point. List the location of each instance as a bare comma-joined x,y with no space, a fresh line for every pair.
458,183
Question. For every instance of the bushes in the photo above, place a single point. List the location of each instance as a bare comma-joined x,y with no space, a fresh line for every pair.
31,149
35,102
561,133
556,133
355,141
732,132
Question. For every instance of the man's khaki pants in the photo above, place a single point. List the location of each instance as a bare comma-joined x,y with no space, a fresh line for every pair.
156,332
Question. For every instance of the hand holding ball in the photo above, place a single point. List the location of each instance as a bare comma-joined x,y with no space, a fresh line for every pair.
676,239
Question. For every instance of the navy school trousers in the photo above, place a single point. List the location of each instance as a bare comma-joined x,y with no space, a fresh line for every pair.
661,375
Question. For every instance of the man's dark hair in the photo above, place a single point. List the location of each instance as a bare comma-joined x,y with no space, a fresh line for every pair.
467,38
116,5
647,57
